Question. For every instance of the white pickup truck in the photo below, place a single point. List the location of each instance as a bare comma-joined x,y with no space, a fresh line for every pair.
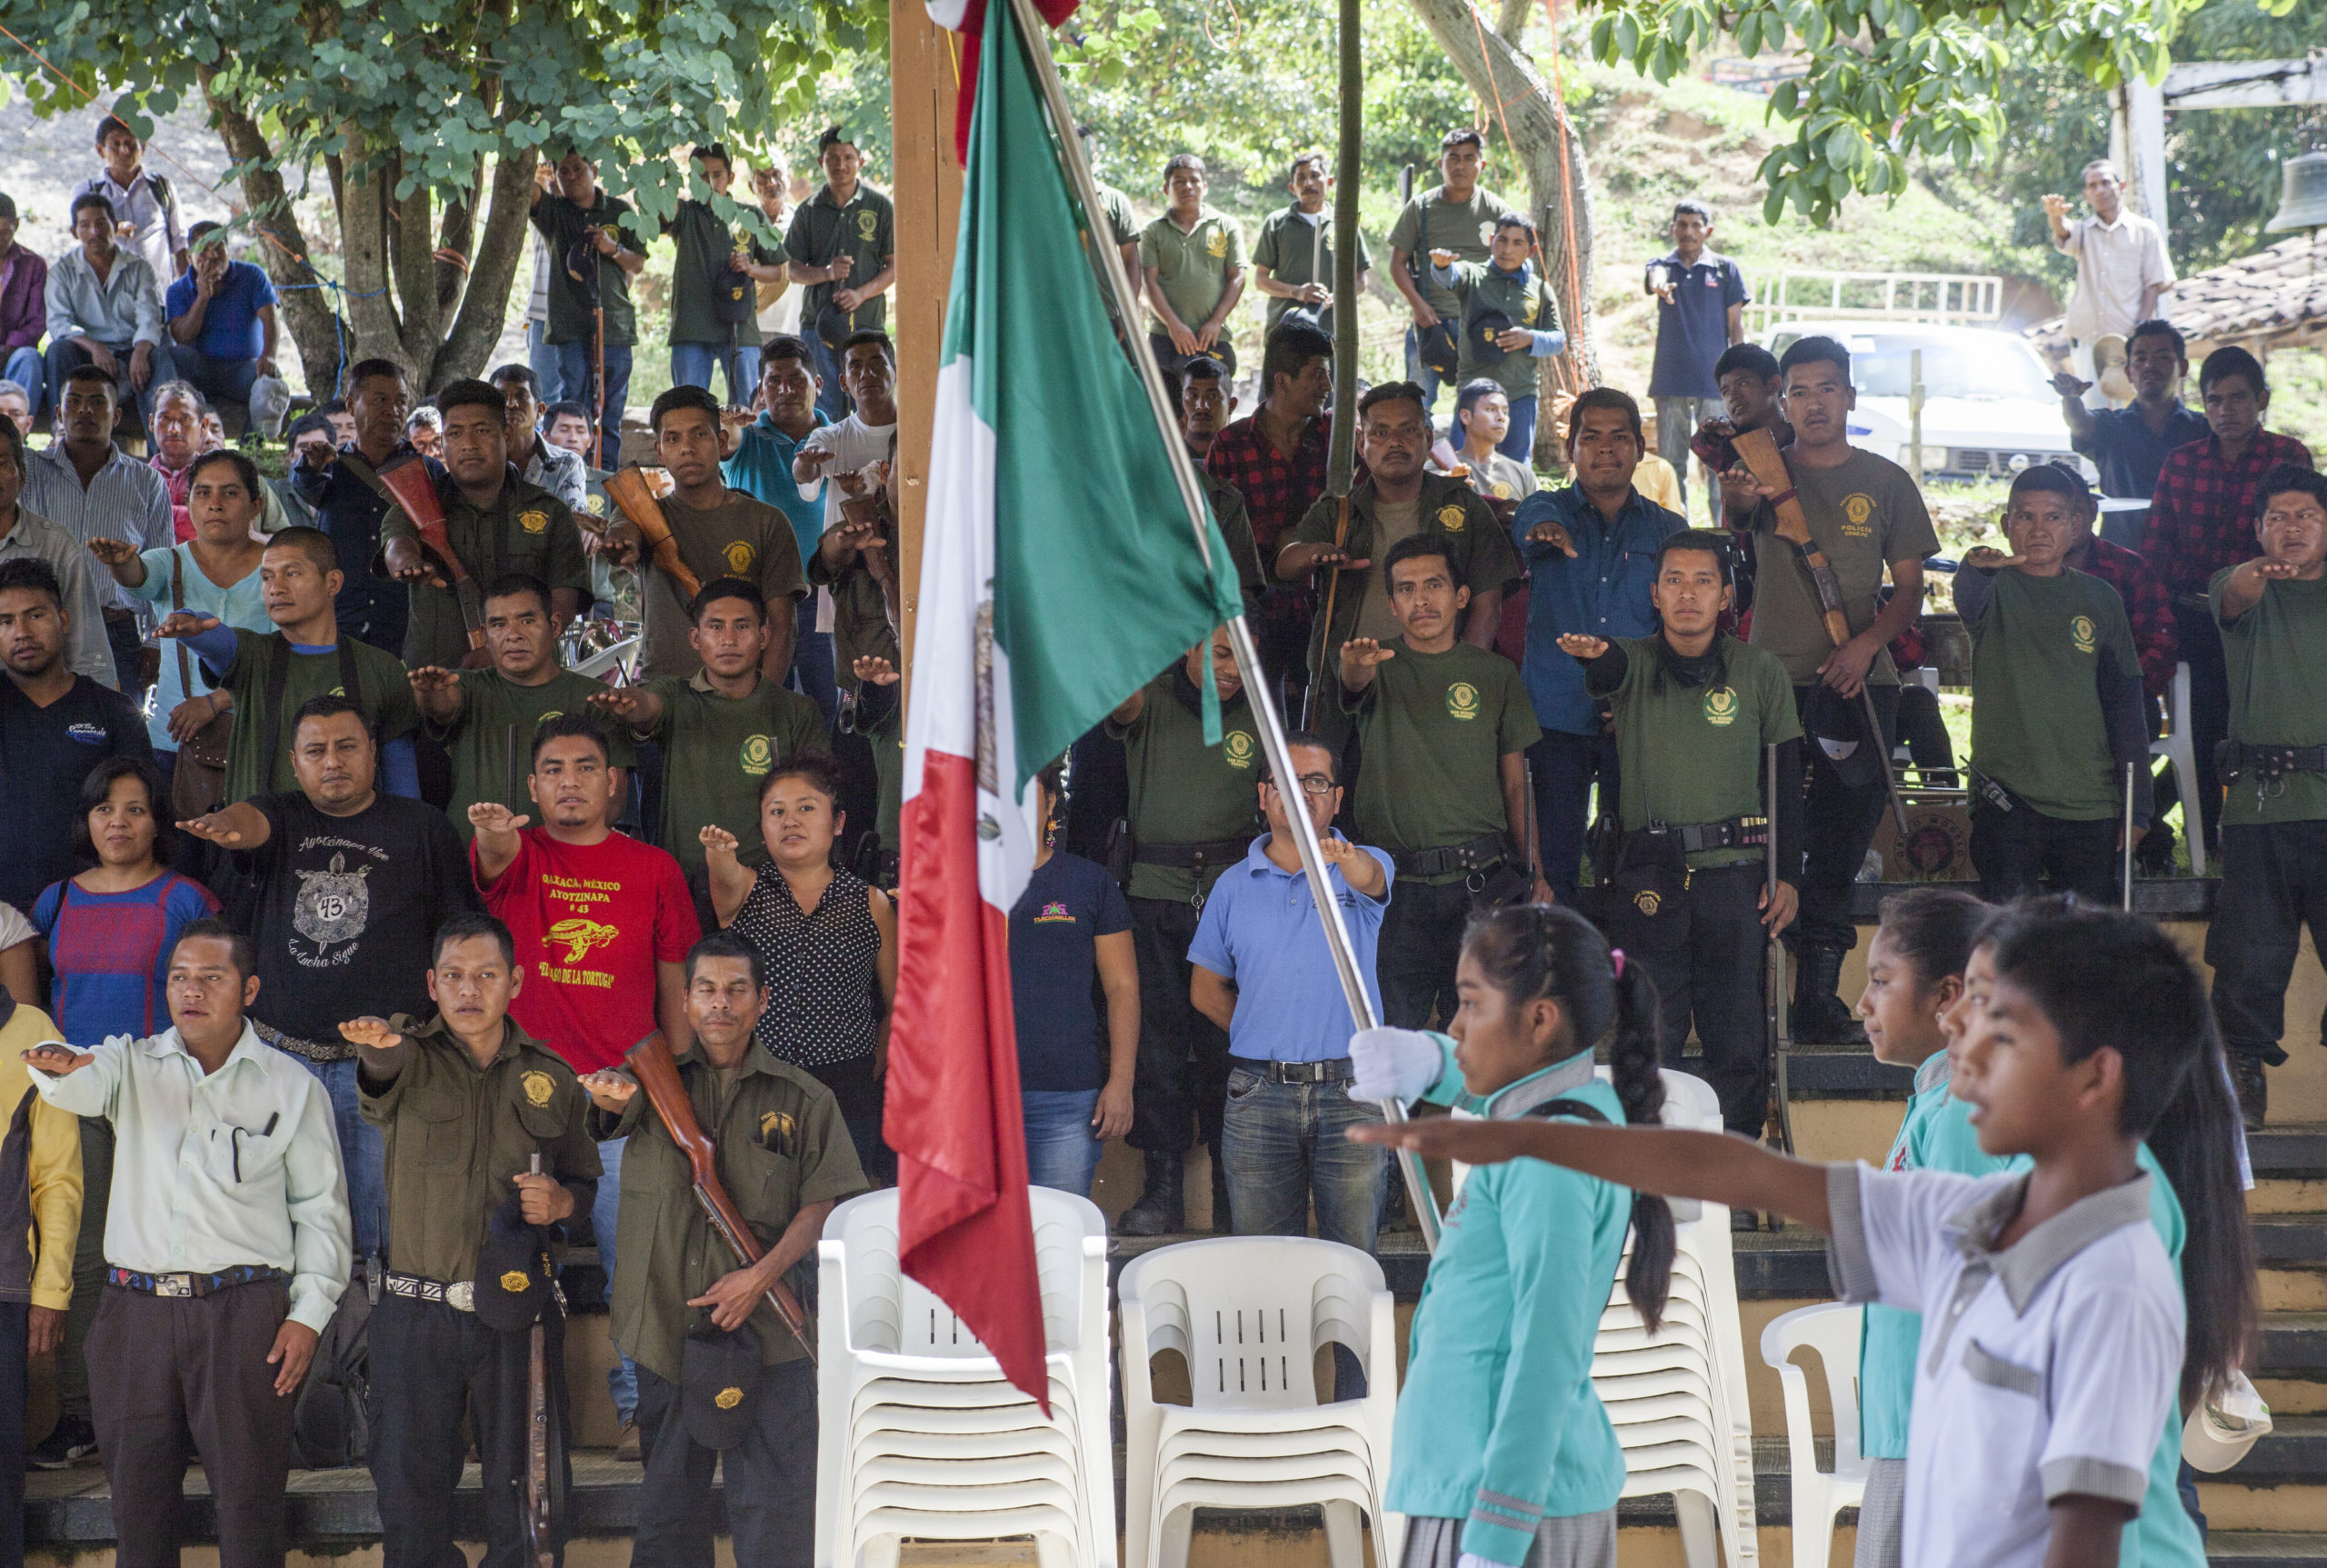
1989,406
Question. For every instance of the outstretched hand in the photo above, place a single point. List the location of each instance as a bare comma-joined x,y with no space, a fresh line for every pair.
716,839
876,670
186,623
217,827
58,1060
492,816
371,1033
1988,558
1578,645
1473,1141
610,1090
113,552
1552,533
622,702
1364,653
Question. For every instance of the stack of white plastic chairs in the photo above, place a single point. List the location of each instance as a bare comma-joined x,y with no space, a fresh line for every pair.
1832,1330
1677,1397
920,1437
1251,1314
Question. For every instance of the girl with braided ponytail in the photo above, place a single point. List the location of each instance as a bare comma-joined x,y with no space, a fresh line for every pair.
1502,1454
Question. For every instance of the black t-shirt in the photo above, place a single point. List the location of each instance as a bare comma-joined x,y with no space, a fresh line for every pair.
1069,903
45,754
347,910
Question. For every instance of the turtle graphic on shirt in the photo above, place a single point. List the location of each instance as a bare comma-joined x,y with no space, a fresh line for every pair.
332,905
579,934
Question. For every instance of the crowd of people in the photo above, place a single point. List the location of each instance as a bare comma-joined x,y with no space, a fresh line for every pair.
346,934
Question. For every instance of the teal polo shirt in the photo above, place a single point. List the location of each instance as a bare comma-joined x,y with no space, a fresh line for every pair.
762,469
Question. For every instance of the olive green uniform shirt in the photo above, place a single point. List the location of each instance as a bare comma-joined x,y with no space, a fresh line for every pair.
781,1146
717,750
383,695
1521,296
740,537
1236,521
526,529
1430,222
458,1134
1296,251
865,228
559,224
1191,265
2277,657
1433,731
861,629
1122,225
491,739
1184,790
1862,514
700,244
2037,723
1691,756
1477,549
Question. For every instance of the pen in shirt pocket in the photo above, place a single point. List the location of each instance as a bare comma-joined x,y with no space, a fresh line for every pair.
266,1132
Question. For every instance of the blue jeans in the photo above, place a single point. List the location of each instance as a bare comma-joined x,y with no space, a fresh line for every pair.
622,1378
1060,1150
1417,371
812,666
1565,767
362,1153
1519,442
573,370
832,398
219,380
544,358
1285,1146
29,371
693,363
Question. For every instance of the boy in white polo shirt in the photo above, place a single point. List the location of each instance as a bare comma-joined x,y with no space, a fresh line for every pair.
2054,1342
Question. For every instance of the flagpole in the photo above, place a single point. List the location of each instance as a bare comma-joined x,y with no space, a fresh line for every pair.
1035,33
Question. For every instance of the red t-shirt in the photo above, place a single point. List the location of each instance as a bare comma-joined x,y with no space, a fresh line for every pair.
591,923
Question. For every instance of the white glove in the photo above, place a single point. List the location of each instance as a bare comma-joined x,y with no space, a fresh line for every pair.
1473,1560
1394,1063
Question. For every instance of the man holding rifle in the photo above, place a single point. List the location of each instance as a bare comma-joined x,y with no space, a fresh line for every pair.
781,1158
475,1112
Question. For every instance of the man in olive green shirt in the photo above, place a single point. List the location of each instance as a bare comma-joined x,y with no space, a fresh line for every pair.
1508,319
856,561
466,1103
580,221
2272,611
1442,727
722,730
1292,259
1457,215
785,1158
1191,818
1685,892
1122,223
495,522
1193,258
485,718
842,243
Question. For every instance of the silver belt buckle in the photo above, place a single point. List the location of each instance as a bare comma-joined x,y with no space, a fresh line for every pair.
461,1295
174,1285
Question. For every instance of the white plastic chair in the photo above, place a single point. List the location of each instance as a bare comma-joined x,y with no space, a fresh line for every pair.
1251,1314
920,1436
1832,1332
2177,745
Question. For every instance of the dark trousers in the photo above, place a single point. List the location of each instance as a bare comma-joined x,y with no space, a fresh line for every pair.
1705,950
174,1378
1422,939
1180,1080
430,1364
2013,850
1565,766
88,1269
2274,882
770,1477
15,1319
2201,641
1841,829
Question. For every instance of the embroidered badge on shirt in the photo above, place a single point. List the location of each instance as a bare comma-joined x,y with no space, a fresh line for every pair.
868,222
538,1087
1463,701
532,522
1451,517
739,558
1054,913
1217,245
1720,707
759,755
2084,633
1237,747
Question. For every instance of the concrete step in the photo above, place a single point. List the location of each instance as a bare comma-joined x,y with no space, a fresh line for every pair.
2294,1346
2263,1549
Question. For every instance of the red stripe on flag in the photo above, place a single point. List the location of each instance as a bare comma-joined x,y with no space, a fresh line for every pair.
953,1112
971,33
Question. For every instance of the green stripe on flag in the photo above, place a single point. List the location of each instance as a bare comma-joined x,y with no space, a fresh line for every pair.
1099,583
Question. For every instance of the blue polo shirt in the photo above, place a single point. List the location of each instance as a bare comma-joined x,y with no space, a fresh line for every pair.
1603,592
2128,456
1692,331
230,327
1260,929
762,469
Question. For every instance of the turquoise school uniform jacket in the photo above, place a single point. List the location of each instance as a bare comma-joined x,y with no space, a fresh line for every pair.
1937,1135
1499,1424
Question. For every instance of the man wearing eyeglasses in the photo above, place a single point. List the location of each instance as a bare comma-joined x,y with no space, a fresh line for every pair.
1265,974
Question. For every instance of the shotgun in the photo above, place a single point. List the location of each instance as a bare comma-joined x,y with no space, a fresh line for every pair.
1325,628
404,483
650,1062
2126,856
541,1525
1758,450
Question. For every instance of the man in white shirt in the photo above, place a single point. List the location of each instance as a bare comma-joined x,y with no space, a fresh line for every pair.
867,436
2122,267
226,1249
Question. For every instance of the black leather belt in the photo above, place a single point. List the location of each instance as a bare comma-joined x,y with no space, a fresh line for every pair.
1737,833
1193,856
2232,758
1333,1070
1475,854
460,1295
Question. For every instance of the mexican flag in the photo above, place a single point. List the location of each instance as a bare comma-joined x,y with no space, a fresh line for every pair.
1058,576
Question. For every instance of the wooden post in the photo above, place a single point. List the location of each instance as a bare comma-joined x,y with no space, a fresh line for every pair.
928,195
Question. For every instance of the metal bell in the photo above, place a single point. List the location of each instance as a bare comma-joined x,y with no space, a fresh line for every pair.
2303,197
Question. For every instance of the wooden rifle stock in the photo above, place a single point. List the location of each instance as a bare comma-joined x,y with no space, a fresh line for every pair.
628,489
650,1061
406,478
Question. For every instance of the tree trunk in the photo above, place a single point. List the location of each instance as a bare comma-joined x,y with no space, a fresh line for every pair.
1559,187
365,241
309,313
412,251
1513,20
500,246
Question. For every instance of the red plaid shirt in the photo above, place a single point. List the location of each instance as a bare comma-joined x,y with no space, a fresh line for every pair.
1278,490
179,481
2147,605
2201,518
